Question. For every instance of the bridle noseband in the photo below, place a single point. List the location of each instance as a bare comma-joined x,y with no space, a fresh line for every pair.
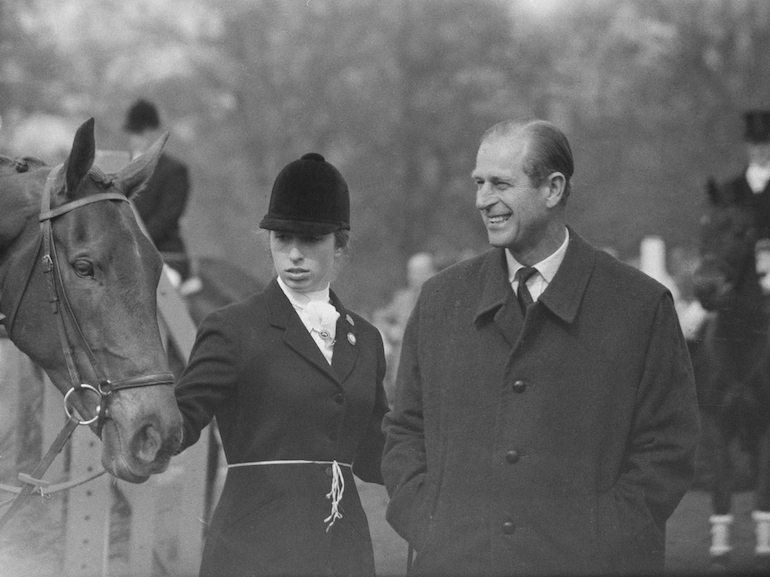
59,301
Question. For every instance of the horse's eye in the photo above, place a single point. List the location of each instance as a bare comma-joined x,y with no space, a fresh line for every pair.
84,268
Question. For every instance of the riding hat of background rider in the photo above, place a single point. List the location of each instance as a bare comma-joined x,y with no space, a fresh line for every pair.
757,126
141,116
309,197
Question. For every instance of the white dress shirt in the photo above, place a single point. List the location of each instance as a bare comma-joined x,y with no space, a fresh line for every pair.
546,269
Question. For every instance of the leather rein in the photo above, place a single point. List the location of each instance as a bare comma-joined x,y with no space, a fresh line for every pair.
60,305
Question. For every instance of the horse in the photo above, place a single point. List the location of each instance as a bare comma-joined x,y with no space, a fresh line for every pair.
732,365
78,281
217,283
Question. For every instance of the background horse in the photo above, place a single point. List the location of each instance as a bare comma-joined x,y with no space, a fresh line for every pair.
219,283
732,365
78,283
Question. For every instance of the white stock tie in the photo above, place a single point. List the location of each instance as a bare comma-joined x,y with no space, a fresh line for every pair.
321,317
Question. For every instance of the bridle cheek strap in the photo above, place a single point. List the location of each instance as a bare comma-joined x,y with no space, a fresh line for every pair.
58,300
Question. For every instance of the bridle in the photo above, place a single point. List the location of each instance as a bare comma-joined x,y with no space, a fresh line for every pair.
60,305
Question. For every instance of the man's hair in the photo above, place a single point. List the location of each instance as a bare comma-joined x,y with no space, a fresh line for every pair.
141,116
547,149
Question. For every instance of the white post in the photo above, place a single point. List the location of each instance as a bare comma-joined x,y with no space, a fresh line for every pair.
762,529
88,510
720,534
652,261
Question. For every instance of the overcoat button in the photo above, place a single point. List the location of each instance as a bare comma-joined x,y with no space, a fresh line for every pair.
509,528
519,386
512,456
328,471
339,399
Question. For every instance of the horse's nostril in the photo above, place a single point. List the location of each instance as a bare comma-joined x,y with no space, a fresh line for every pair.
146,443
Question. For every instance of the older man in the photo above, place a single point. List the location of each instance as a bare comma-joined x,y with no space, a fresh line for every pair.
545,419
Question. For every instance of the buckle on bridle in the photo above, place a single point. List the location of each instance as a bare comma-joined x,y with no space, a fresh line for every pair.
105,387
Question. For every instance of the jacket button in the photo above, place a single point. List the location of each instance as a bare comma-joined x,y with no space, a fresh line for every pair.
512,456
519,386
509,527
339,398
328,471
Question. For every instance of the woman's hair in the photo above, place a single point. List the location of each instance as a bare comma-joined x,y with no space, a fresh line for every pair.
341,238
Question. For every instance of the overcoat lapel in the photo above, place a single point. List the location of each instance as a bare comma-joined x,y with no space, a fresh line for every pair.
509,318
562,297
497,296
296,336
565,293
345,348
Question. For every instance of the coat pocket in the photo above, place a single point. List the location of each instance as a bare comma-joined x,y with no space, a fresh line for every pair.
411,508
630,542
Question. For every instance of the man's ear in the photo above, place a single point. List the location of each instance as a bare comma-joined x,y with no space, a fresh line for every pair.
556,184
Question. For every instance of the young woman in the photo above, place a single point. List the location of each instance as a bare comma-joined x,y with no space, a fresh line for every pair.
294,380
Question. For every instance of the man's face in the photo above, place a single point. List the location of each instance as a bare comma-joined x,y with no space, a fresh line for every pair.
514,212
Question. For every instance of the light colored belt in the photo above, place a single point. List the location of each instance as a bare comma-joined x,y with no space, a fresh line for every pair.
338,482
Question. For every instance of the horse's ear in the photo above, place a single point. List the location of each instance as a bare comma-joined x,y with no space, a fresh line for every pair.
81,157
135,174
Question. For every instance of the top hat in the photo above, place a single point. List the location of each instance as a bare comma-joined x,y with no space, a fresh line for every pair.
309,197
141,116
757,126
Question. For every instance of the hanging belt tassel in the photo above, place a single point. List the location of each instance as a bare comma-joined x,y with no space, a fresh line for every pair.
338,488
338,481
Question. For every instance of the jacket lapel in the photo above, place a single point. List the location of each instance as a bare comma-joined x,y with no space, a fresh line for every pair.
346,343
562,296
296,336
498,298
509,318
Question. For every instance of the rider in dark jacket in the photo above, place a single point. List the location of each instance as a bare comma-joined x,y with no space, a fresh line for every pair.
162,202
753,184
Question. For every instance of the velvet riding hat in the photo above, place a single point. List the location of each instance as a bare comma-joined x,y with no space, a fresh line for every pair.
141,116
309,197
757,126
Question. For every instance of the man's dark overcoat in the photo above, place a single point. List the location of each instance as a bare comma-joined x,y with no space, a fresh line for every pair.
275,397
555,445
162,203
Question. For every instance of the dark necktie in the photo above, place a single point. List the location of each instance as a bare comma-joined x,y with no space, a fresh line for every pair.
522,293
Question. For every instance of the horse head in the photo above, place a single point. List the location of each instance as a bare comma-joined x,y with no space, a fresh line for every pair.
78,281
728,236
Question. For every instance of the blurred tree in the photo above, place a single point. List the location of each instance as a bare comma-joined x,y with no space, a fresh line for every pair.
396,94
26,61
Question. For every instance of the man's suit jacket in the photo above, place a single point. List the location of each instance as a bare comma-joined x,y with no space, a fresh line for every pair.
557,443
275,397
